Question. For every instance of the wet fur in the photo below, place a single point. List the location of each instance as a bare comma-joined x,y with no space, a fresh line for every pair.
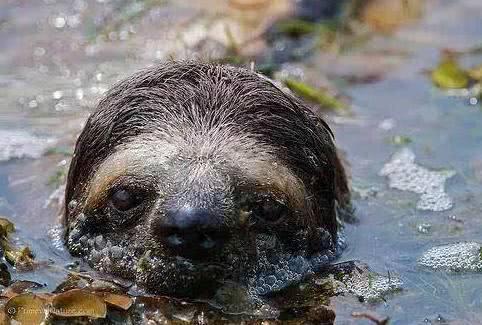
221,115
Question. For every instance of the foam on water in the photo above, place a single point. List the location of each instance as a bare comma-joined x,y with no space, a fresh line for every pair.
369,285
458,257
20,144
404,174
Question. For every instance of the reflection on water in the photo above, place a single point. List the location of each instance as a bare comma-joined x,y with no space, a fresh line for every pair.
59,57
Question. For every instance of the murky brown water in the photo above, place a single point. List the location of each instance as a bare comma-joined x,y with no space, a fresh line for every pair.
58,57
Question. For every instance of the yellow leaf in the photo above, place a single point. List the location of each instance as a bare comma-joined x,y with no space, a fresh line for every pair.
448,74
312,94
76,303
26,308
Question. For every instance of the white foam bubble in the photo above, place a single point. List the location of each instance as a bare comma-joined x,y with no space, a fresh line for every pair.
404,174
458,257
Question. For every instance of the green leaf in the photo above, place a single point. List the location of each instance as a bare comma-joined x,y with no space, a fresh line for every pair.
448,74
314,95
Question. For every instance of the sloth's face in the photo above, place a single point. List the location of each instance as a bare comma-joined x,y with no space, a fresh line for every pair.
189,203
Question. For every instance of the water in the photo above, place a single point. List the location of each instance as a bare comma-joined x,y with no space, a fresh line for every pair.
58,57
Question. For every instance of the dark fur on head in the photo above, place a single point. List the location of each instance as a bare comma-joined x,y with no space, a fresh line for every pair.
180,130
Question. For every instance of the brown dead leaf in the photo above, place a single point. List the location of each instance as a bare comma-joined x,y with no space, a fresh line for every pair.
121,301
26,308
78,302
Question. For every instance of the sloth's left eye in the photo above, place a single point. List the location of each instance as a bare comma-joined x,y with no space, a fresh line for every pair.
270,210
124,199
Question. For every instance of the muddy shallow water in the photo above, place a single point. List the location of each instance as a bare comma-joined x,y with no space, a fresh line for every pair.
415,151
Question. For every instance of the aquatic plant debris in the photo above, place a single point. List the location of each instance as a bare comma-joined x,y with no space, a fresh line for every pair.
19,257
404,174
17,144
457,257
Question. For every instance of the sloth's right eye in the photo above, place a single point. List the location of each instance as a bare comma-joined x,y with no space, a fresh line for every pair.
124,199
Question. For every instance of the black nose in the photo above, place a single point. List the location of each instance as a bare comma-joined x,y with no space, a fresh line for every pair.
191,232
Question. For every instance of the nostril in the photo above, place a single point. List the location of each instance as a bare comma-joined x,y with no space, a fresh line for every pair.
193,242
193,239
209,242
175,240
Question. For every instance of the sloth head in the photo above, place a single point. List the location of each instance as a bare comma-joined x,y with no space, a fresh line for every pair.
188,175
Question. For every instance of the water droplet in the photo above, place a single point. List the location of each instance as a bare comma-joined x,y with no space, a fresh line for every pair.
79,94
59,22
72,205
39,51
33,103
57,94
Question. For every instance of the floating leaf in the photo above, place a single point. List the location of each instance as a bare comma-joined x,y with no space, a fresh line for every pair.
388,15
77,302
476,72
312,94
22,258
121,301
6,226
448,74
26,308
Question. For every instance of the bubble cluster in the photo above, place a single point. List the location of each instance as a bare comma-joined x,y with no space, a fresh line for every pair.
370,286
15,144
457,257
404,174
276,270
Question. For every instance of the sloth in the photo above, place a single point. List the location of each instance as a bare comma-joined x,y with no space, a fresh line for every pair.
189,175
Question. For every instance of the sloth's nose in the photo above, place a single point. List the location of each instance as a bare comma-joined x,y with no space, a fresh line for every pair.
190,232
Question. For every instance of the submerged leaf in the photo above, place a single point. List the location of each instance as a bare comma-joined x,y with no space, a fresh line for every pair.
77,302
448,74
26,308
312,94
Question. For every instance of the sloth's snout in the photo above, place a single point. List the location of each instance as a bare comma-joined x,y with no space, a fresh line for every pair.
190,231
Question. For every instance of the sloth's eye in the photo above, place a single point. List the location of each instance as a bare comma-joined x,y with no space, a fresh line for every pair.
124,199
270,210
